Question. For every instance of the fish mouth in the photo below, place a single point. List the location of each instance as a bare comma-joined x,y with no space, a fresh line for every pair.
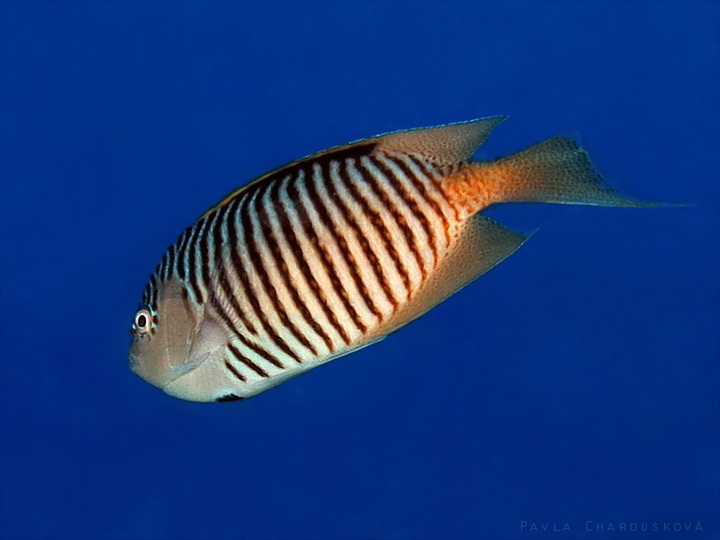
146,371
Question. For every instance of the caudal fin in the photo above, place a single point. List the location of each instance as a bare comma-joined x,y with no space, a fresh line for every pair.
553,171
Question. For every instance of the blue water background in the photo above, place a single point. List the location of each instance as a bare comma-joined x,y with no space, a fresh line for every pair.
577,382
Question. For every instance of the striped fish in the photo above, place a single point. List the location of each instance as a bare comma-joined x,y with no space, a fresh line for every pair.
335,251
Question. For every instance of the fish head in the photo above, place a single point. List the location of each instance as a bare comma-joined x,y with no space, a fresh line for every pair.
174,346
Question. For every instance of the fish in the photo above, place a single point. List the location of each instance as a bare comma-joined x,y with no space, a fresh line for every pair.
335,251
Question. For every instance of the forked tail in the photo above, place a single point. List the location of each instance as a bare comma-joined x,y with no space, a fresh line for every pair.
553,171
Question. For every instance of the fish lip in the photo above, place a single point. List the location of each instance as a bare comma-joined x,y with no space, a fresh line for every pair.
136,367
132,361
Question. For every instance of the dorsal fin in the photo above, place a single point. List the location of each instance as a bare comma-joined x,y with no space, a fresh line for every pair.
444,145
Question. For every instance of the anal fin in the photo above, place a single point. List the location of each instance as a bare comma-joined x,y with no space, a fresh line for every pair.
482,244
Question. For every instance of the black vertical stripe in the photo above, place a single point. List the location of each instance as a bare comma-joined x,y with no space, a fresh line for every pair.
319,205
162,269
245,360
389,183
239,266
306,224
211,248
197,282
218,242
281,264
266,283
350,219
189,273
170,262
224,282
379,226
423,191
201,252
432,176
235,371
415,208
182,257
223,279
217,306
296,248
181,250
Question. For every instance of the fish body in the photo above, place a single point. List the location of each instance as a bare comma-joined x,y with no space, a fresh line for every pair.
333,252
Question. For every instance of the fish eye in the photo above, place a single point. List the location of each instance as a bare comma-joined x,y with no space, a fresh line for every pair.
143,322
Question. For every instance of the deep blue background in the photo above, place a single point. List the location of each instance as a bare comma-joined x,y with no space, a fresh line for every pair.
577,381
